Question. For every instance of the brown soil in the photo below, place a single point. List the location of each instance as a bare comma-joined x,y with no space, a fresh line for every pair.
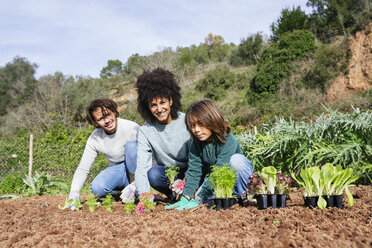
359,77
37,222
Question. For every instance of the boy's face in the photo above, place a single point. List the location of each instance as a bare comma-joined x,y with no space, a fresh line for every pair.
160,108
108,122
200,131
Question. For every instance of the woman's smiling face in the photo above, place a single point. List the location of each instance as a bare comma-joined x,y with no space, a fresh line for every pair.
160,108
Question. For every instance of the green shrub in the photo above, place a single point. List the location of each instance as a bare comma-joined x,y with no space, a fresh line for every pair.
12,184
216,82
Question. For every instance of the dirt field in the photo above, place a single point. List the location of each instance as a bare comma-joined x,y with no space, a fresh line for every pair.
29,222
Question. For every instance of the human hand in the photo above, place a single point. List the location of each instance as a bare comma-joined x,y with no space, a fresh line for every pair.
178,186
183,201
129,192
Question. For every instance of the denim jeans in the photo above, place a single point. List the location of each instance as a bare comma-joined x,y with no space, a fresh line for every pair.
160,182
116,177
244,169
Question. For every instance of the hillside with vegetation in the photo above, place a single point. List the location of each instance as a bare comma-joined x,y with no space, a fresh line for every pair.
311,64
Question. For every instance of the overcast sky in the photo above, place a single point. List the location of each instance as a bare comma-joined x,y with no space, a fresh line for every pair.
78,37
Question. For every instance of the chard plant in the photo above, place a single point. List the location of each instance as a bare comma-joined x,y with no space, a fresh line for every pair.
223,180
171,172
269,177
92,203
107,203
343,182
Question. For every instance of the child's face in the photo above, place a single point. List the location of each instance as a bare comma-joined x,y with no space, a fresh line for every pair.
201,132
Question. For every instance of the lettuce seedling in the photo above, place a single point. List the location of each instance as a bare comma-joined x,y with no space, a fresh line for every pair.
107,203
256,184
92,203
129,207
171,172
269,176
283,183
68,203
223,180
306,182
343,182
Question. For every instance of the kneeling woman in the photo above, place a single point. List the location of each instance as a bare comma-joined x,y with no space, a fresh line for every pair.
213,144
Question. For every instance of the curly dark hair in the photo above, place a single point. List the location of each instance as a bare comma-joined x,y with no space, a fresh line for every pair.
104,104
155,84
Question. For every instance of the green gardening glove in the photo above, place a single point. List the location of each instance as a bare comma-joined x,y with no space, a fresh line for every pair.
190,204
182,202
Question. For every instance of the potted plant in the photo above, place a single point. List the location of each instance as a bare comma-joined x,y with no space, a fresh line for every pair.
268,174
283,184
310,180
223,181
257,189
336,181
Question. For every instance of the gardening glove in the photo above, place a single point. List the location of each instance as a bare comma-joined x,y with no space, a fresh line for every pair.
178,186
74,195
129,193
181,202
190,204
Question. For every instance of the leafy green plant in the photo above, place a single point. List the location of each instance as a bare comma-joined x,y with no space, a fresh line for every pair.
76,203
92,203
223,180
147,201
107,203
41,183
129,207
343,182
12,183
171,172
269,176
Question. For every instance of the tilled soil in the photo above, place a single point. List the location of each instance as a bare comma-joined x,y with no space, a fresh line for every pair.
37,222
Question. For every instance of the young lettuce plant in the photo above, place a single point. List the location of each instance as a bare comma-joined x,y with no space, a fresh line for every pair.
223,181
107,203
129,206
92,203
343,182
283,183
269,177
305,181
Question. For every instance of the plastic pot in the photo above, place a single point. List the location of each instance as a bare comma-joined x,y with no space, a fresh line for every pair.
311,201
281,200
337,201
272,200
329,200
261,201
225,203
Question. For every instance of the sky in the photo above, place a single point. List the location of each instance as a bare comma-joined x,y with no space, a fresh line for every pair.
78,37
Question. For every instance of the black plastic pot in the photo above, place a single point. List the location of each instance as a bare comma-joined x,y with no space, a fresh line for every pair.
272,200
329,200
225,203
281,200
261,201
311,201
337,201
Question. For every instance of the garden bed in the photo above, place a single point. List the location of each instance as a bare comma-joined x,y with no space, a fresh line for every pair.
37,222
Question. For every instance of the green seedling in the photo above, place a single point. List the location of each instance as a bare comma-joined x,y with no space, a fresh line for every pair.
129,207
269,176
68,203
276,222
92,203
107,203
171,172
223,180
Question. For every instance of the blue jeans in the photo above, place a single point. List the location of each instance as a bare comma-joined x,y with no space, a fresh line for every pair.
116,177
160,182
244,169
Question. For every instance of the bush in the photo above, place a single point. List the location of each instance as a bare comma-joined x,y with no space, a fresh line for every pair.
216,82
12,183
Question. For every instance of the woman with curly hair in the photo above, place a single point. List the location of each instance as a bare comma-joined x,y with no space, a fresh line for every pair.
163,139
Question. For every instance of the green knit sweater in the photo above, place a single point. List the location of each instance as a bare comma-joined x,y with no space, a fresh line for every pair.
202,156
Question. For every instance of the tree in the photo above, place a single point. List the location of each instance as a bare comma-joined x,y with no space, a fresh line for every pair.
17,83
288,21
113,67
248,51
